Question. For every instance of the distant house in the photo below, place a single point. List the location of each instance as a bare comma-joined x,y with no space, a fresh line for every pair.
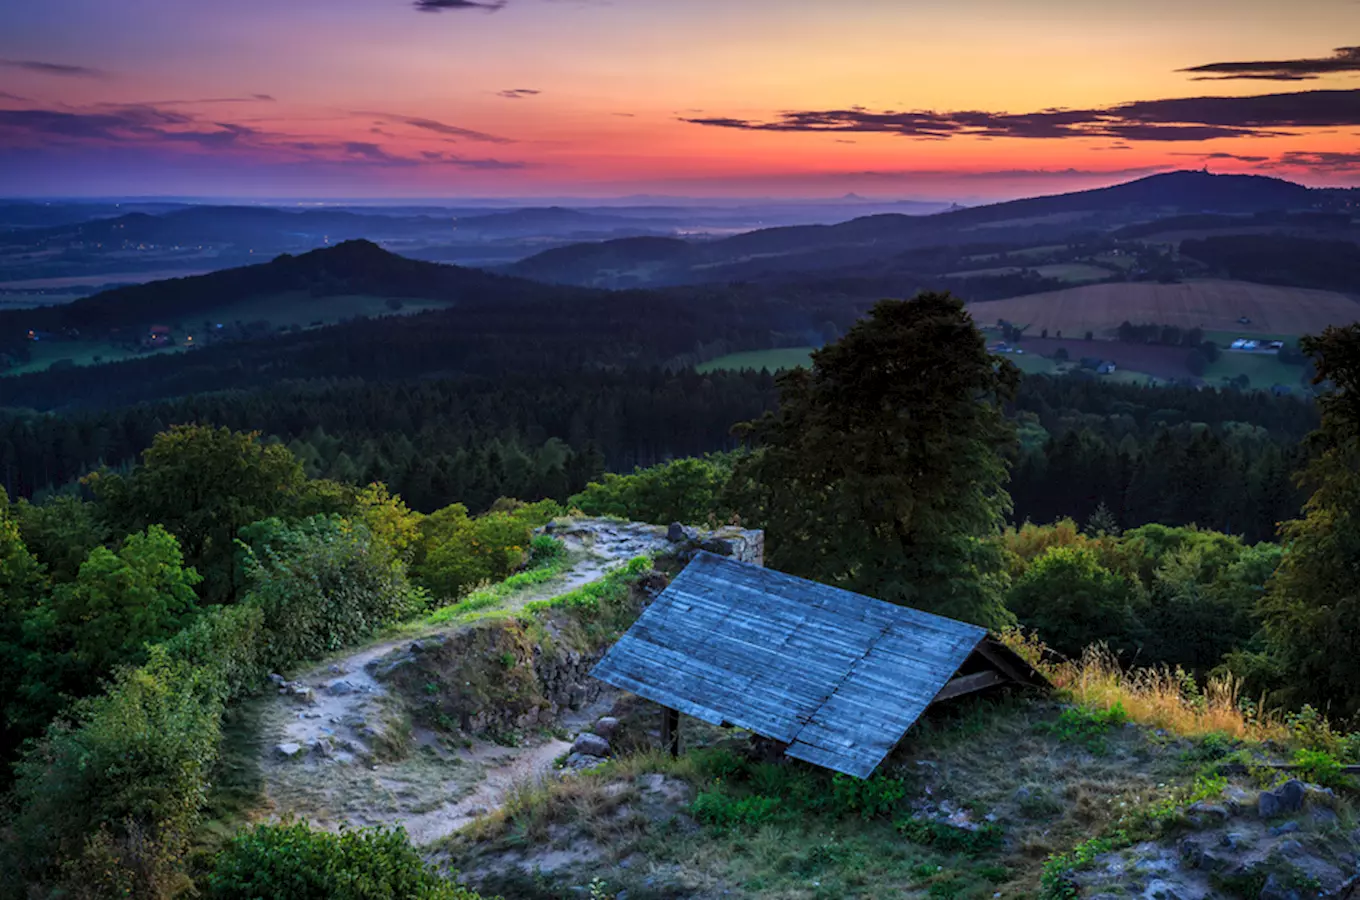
157,336
1105,368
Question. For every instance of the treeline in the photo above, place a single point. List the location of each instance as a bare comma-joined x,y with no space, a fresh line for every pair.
1280,259
1170,455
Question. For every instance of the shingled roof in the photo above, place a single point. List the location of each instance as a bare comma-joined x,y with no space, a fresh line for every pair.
836,676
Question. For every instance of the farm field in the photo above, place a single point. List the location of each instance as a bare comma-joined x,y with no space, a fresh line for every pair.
1075,273
302,309
774,360
80,353
1211,305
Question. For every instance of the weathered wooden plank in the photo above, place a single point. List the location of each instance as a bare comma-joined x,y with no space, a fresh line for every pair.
967,684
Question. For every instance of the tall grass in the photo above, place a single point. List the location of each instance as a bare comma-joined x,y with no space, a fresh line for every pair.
1156,697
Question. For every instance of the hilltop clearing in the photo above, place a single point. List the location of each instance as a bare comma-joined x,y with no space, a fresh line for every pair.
1019,797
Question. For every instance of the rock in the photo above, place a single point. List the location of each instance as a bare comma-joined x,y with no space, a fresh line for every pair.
1322,815
341,688
336,670
606,727
577,695
1286,828
416,647
719,546
1205,814
1285,799
288,751
320,750
590,745
580,761
1291,848
1238,799
1274,889
1230,840
678,533
277,680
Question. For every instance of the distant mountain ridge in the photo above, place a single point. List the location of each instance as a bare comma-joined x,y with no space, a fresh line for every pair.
634,262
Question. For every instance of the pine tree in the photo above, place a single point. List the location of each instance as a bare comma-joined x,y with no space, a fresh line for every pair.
882,471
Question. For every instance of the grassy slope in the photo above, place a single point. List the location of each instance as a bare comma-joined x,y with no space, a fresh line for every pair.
1040,778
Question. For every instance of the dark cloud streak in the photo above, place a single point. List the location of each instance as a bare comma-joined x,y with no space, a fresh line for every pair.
1343,59
50,68
437,6
1170,120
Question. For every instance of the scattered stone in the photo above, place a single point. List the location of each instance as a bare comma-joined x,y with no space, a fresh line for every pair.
590,745
277,680
1291,848
606,727
1238,799
337,670
1274,889
1286,828
416,647
288,751
580,761
1285,799
320,750
341,688
1204,813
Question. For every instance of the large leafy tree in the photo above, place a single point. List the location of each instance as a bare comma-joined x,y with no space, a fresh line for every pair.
883,469
1073,601
203,484
1311,611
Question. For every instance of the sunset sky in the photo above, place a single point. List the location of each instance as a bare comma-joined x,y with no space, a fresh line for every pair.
947,99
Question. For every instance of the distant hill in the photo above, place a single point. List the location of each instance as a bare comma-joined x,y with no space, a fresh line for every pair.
225,224
349,268
778,251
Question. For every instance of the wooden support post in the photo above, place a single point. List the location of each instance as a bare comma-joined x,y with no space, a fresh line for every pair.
670,730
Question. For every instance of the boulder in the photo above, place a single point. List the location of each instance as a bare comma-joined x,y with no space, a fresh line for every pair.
1281,801
677,533
300,692
590,745
288,750
341,688
606,727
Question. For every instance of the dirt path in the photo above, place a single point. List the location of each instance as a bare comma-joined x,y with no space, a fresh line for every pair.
336,743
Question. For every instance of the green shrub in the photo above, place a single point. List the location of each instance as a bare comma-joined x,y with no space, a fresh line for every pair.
870,798
1085,726
322,583
722,810
948,839
1320,767
685,490
228,640
295,862
131,763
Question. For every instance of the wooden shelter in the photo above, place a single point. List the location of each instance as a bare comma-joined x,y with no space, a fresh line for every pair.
835,677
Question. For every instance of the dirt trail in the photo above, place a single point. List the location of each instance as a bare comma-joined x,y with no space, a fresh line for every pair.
326,736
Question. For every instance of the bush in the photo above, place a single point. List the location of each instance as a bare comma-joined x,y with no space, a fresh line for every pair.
455,553
130,765
295,862
721,810
1073,601
322,584
684,490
